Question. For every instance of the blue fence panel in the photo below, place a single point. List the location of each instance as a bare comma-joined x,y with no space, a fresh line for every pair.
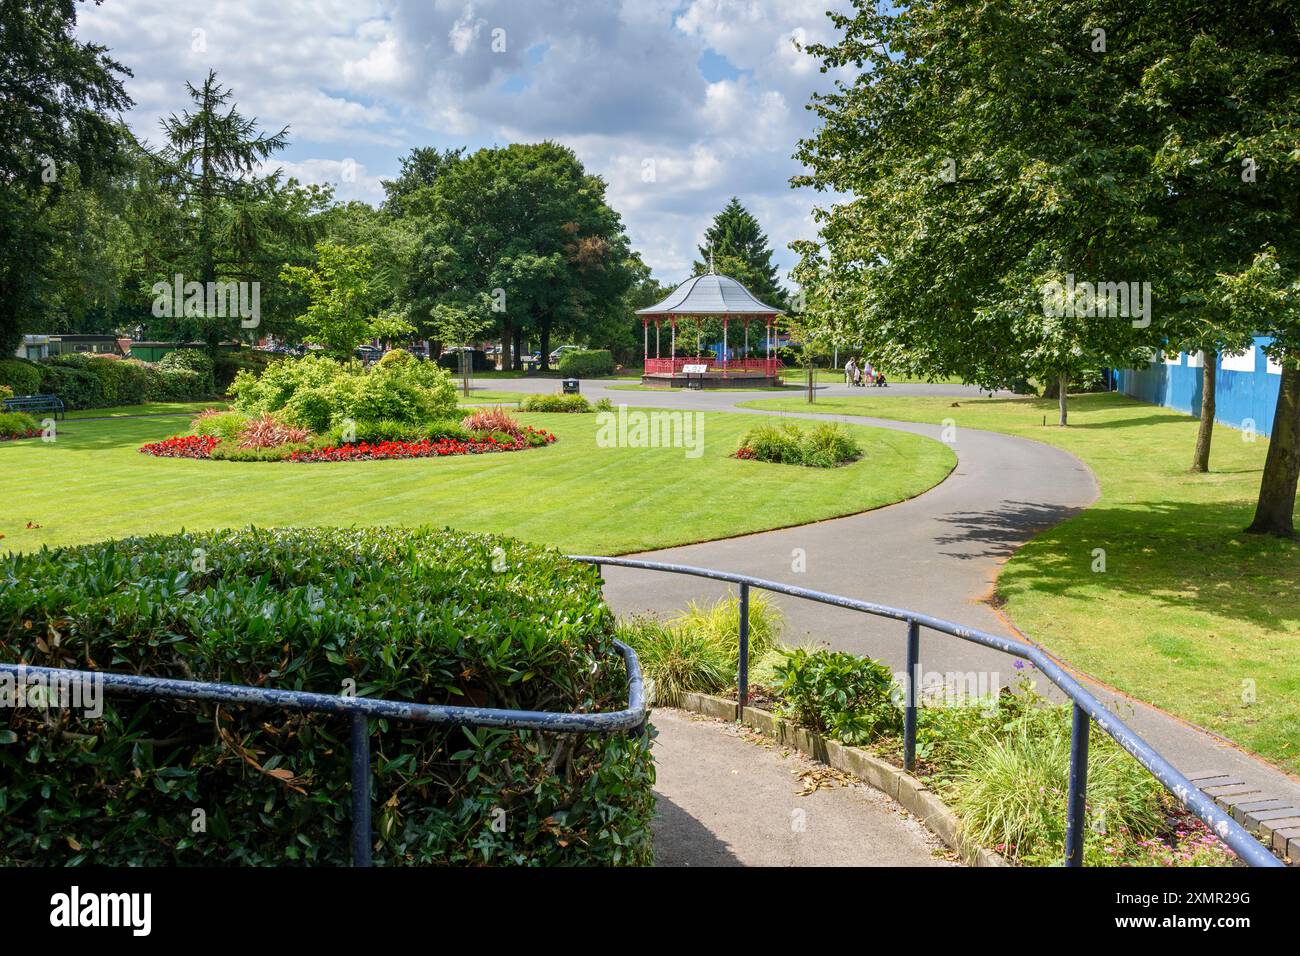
1240,396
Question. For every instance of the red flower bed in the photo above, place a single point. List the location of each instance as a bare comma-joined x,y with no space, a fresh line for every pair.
385,450
200,446
744,452
182,446
14,437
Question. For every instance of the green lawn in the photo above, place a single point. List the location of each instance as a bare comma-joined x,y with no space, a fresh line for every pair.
1190,613
92,483
480,396
152,408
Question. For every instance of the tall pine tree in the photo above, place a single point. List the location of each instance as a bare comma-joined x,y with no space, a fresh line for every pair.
741,251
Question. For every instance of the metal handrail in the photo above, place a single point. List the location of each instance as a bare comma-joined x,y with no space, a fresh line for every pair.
1086,707
631,719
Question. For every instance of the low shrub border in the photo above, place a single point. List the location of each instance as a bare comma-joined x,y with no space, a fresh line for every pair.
436,617
15,425
555,403
826,445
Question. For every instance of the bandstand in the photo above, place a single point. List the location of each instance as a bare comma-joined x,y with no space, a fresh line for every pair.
710,296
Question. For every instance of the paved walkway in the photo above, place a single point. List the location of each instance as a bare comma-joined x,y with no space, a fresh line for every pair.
938,553
727,797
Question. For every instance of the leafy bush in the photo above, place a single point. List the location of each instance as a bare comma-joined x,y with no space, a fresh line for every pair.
177,385
603,404
318,392
840,695
266,431
77,387
233,451
1010,788
699,650
228,363
192,360
676,660
406,614
586,364
124,383
17,424
223,425
22,376
823,446
485,421
555,403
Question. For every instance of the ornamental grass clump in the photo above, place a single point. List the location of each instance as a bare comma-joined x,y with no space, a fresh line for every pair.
825,445
414,614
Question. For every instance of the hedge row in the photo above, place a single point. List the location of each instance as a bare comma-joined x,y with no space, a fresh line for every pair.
98,382
589,364
407,614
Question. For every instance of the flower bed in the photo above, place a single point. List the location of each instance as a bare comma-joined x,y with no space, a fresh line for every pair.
384,450
201,446
182,446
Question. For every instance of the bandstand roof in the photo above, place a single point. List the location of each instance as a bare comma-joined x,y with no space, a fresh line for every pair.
709,294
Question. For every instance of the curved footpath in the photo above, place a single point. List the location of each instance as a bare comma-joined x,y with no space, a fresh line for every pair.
937,554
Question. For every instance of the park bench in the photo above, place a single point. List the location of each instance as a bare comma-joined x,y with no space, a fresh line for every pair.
35,403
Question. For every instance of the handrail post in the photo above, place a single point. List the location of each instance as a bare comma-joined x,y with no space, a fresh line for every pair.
360,790
1080,726
913,679
742,665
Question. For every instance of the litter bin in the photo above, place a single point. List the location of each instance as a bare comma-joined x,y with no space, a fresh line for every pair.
570,386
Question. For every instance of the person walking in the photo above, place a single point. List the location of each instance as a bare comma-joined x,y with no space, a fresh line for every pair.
850,371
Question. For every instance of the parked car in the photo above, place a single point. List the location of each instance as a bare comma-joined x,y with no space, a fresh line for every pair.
556,355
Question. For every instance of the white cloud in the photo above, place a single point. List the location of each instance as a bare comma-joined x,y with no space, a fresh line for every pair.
620,82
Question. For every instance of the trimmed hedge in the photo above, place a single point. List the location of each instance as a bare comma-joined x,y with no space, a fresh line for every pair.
22,376
407,614
555,403
589,364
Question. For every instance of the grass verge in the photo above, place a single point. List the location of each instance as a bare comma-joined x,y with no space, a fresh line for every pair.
1189,614
92,483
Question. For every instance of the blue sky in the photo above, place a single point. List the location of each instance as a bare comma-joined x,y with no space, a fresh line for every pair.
678,105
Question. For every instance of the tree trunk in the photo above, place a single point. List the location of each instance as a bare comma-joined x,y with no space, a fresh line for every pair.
505,344
518,361
1275,511
1201,458
546,345
812,389
1063,387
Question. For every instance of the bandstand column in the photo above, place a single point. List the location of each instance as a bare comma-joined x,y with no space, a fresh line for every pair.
725,353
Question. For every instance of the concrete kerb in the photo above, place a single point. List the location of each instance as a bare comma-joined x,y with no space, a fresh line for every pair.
910,792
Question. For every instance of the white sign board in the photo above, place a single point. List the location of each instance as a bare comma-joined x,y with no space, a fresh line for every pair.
695,369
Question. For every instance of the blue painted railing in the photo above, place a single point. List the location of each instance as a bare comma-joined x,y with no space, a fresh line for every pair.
359,710
1087,708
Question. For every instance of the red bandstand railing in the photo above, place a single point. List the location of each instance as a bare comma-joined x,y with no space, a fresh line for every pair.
674,366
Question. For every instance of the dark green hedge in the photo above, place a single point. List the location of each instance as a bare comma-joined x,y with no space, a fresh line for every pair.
22,376
412,614
587,364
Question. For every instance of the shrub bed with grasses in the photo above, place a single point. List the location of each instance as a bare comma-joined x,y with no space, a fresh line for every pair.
17,425
825,445
1001,763
416,614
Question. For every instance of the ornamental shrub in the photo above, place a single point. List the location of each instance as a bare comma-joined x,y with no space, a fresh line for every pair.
485,421
821,446
77,387
587,364
223,425
22,376
851,698
193,360
319,392
17,424
555,403
401,613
